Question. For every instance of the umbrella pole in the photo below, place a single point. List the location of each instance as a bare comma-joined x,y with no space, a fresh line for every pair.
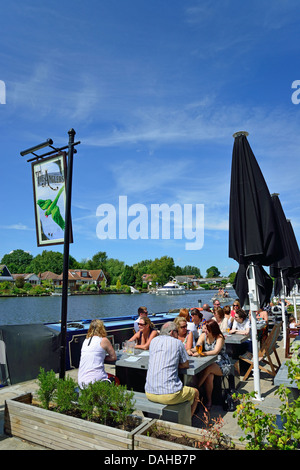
282,296
295,303
295,307
254,306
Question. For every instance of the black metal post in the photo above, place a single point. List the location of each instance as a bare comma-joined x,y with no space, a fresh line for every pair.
64,305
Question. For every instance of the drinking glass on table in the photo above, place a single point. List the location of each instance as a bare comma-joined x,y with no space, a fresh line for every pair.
130,347
124,346
199,348
117,348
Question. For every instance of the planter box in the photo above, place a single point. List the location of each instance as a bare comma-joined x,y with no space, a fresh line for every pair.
144,442
61,432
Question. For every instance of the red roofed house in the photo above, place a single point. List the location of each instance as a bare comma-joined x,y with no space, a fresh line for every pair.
79,277
50,276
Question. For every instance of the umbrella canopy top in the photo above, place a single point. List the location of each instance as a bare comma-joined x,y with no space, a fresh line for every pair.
287,268
290,255
253,234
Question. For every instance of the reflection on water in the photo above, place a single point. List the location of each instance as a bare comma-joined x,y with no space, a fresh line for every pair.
22,310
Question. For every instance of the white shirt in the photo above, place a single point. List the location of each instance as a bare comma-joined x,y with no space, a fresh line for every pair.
196,330
241,326
91,366
165,354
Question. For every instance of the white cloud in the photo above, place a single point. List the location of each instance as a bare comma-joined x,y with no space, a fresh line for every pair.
46,90
18,226
138,177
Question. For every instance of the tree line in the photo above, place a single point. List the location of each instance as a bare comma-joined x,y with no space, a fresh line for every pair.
160,269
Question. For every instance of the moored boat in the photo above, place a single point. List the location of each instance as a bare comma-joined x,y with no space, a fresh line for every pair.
31,346
171,288
58,291
223,300
118,329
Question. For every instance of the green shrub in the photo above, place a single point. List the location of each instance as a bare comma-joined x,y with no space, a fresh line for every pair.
97,401
103,401
123,403
47,382
94,401
66,395
261,430
84,287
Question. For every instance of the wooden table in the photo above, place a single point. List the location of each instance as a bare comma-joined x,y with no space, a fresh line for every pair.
234,344
235,338
132,370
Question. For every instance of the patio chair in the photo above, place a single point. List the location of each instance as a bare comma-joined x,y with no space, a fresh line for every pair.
264,354
290,333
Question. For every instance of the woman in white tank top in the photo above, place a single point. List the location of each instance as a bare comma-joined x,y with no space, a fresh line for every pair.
93,353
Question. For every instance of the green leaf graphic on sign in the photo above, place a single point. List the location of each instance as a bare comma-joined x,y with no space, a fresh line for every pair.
50,207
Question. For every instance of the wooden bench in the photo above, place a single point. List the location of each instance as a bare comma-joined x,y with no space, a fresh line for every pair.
180,413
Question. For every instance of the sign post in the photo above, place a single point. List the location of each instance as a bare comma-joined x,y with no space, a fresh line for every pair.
64,304
49,188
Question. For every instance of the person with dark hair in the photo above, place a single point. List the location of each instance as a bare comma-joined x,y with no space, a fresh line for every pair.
216,304
211,342
197,318
227,310
241,323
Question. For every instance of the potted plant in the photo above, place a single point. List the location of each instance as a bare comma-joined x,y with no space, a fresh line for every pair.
100,418
164,435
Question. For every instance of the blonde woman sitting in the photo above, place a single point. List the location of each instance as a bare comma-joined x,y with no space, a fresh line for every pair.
95,349
185,336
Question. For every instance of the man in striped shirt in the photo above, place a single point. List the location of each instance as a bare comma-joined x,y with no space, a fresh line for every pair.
167,354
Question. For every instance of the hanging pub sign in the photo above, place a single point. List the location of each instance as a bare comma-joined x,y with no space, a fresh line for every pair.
49,189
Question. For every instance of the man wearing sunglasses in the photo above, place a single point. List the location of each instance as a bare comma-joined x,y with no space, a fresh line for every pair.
167,354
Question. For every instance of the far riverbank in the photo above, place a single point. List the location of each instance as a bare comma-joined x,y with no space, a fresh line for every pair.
47,309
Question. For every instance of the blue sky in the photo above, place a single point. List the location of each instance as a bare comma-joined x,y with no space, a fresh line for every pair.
154,91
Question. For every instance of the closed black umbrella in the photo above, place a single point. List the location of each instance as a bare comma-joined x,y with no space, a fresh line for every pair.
294,273
284,269
253,238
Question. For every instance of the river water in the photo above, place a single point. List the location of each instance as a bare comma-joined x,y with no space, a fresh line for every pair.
24,310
